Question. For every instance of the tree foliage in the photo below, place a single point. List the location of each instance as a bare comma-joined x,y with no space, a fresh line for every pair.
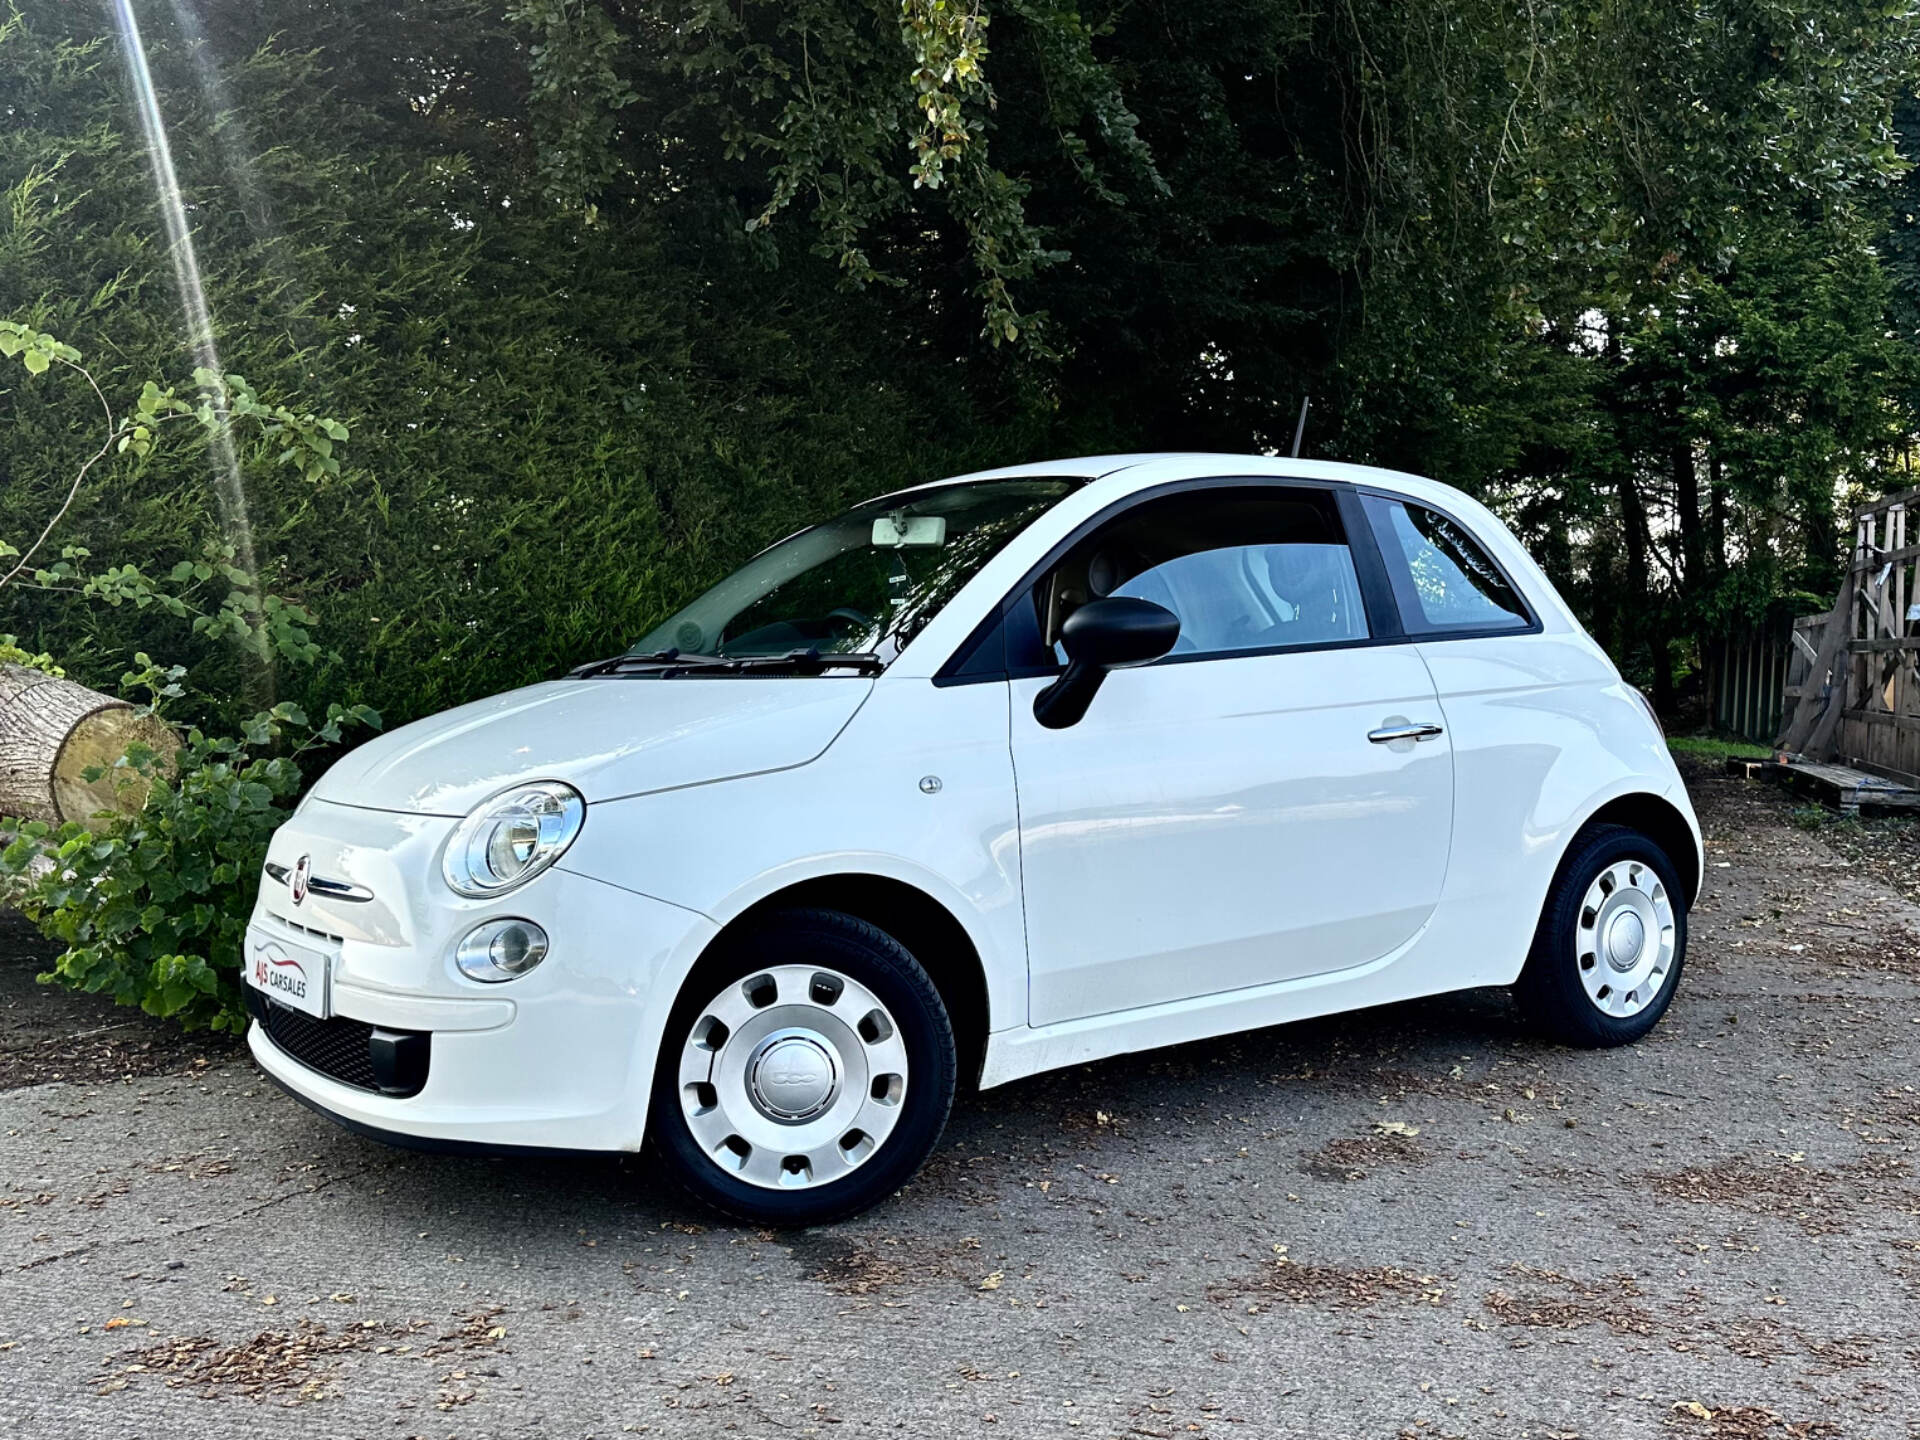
611,294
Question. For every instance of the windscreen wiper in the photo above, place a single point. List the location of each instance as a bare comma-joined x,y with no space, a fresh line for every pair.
806,662
648,660
671,662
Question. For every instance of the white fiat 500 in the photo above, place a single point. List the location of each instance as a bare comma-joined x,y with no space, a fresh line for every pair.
979,779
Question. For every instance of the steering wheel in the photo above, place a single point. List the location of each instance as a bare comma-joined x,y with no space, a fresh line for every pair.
851,618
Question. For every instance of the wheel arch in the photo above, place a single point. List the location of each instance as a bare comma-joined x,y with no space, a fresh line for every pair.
1662,822
919,921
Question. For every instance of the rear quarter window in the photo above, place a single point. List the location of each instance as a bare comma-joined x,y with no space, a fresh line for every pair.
1443,579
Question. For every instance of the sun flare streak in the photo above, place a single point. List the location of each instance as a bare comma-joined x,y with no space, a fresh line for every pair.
228,488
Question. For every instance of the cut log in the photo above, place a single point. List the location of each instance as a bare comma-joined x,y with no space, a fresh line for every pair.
52,732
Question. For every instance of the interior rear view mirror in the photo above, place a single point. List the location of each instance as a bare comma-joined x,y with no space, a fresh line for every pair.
894,532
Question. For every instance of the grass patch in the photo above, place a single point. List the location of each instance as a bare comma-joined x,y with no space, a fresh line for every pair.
1716,747
1808,817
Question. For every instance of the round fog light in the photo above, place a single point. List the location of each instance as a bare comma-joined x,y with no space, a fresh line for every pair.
501,950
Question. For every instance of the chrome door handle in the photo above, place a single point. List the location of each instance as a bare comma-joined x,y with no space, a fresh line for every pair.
1413,730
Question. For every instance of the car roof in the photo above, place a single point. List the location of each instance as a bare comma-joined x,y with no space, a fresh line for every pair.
1161,467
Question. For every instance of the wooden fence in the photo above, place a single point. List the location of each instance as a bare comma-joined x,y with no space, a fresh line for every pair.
1754,674
1879,727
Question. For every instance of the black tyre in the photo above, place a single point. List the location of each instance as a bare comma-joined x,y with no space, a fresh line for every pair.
1611,942
806,1071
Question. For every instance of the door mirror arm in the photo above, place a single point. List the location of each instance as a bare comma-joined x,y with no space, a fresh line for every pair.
1103,635
1064,702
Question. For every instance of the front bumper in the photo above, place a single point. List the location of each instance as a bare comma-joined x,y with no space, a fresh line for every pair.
560,1058
374,1058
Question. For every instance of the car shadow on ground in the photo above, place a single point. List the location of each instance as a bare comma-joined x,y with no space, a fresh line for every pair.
1255,1077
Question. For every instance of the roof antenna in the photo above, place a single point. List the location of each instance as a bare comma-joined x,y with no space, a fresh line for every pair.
1300,429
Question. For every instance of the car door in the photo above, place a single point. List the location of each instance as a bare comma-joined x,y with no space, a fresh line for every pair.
1239,812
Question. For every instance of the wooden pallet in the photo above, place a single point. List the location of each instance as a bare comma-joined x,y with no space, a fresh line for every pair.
1839,785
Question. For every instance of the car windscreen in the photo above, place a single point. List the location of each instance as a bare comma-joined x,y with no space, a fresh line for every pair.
866,582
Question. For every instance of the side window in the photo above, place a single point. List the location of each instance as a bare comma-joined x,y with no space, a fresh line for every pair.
1244,569
1442,578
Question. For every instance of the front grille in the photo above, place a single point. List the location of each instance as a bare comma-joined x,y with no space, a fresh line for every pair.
350,1051
308,929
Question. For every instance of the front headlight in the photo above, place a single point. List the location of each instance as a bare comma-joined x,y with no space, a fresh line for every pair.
512,837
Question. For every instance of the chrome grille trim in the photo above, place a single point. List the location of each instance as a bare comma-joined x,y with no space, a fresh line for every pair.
320,885
338,889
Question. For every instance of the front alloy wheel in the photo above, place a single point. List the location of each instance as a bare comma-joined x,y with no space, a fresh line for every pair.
808,1073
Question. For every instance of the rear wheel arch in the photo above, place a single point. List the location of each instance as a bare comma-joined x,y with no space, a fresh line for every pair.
919,922
1662,822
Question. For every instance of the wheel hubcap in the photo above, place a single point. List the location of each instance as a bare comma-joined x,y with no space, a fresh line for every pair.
1626,935
793,1077
1624,944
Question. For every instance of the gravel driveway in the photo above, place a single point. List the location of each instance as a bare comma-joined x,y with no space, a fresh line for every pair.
1409,1222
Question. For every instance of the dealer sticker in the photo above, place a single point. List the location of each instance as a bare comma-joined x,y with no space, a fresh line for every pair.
293,975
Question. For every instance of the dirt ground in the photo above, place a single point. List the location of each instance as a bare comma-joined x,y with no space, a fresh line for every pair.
1413,1222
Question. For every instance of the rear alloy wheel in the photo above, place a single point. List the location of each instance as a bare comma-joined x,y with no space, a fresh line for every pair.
1611,941
808,1071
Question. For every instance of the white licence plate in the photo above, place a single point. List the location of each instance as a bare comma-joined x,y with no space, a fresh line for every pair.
294,975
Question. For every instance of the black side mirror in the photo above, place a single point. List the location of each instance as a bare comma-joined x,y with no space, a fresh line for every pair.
1103,635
